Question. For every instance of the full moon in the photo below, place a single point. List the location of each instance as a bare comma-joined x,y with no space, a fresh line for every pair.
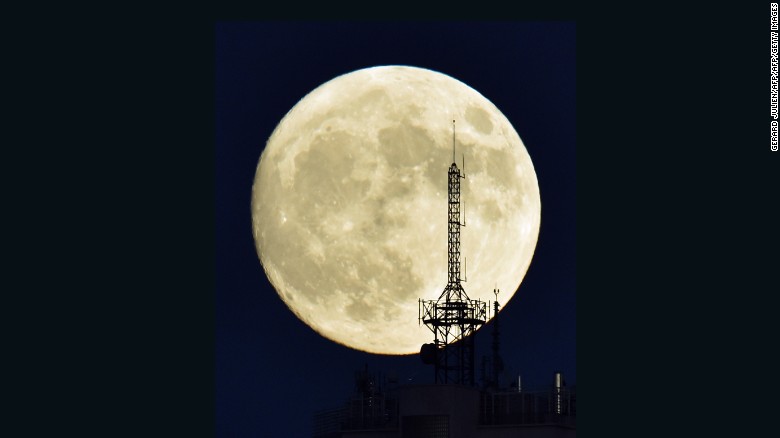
349,204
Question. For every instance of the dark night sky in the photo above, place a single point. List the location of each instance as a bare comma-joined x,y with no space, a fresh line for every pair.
272,371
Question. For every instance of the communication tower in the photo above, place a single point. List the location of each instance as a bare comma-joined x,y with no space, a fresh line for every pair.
453,318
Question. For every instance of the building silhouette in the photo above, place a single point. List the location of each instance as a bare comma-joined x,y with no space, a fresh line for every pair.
380,408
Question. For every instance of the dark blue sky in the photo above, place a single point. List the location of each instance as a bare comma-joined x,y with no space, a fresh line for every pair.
272,371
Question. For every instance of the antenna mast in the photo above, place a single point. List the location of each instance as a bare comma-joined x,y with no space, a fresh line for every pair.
453,318
498,364
453,141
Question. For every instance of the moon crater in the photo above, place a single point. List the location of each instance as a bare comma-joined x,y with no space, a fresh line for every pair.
479,119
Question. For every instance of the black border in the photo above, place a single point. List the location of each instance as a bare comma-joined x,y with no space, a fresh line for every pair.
652,83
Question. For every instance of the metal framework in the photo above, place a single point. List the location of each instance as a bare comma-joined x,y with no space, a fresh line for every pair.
453,318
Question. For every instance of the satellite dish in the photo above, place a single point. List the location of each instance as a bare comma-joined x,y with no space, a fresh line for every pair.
428,354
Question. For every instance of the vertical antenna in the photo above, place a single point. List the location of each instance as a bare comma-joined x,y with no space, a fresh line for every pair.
453,318
498,365
453,141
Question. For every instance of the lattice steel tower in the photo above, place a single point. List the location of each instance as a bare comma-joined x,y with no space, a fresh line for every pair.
453,318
